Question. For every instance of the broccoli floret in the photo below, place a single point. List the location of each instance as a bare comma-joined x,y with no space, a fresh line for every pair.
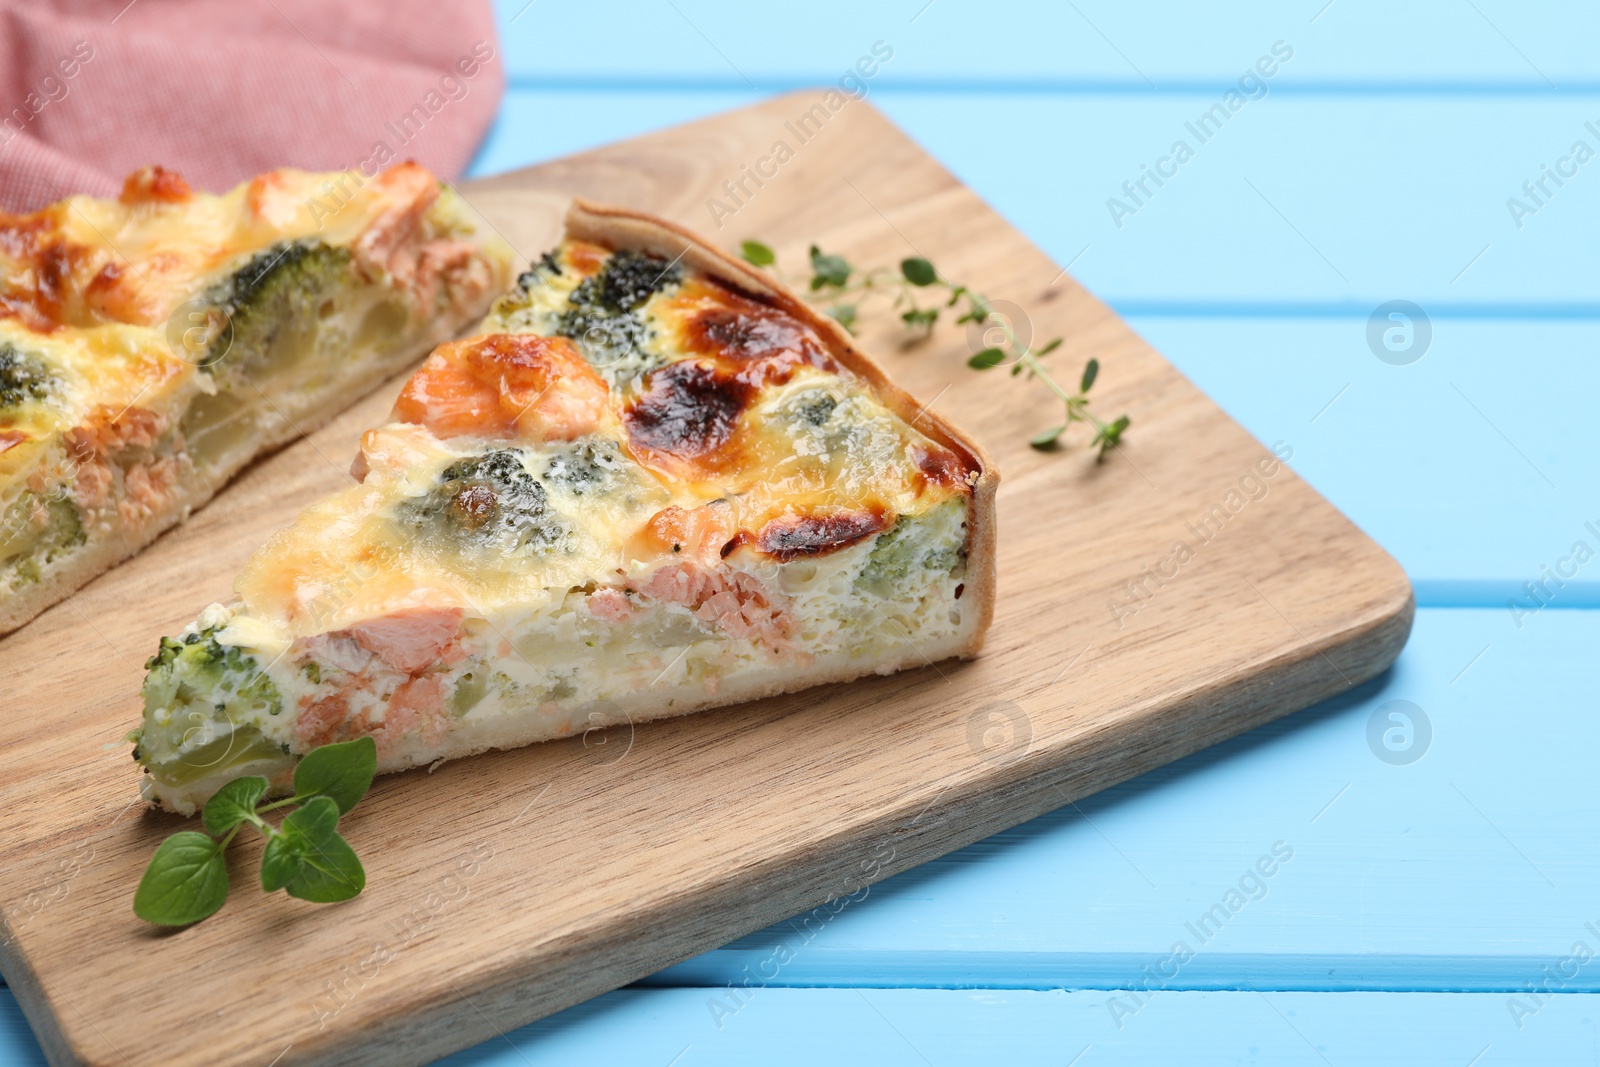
281,290
605,340
487,502
23,376
815,406
603,311
626,281
202,702
201,661
585,467
548,265
29,545
901,551
470,690
286,265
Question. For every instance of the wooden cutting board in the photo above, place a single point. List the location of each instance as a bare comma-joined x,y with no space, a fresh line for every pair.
506,887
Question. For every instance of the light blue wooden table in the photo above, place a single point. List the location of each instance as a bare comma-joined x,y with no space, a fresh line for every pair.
1438,911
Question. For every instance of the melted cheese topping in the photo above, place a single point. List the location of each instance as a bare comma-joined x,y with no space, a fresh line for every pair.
83,261
638,415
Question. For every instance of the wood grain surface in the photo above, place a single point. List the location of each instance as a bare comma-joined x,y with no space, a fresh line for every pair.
503,888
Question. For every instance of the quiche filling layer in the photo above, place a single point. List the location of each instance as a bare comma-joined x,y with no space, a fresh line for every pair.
637,492
152,345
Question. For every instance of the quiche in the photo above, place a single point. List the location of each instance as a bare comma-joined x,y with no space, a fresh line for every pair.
655,481
153,345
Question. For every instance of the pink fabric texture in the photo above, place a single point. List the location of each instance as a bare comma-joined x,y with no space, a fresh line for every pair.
221,90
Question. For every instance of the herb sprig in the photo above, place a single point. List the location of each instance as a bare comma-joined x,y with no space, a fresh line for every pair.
836,282
187,879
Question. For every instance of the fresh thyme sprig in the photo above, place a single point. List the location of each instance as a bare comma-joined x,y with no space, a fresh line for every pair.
843,288
187,879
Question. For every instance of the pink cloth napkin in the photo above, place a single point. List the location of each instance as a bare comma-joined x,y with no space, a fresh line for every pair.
220,90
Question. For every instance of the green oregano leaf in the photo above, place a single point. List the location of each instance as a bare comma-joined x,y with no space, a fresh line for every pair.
988,357
918,271
187,880
304,831
233,804
757,253
317,821
1049,439
828,270
1091,370
329,872
341,772
280,860
1111,436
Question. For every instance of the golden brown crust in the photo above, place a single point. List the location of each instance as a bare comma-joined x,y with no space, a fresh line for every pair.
617,227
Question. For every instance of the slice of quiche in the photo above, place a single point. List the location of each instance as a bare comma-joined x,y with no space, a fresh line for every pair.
656,482
152,345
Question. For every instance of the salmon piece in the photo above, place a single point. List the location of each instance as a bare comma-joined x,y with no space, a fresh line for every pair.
91,486
320,721
391,241
452,272
391,449
505,386
440,271
155,185
410,641
737,602
145,489
271,197
395,654
107,430
693,534
610,604
418,703
93,446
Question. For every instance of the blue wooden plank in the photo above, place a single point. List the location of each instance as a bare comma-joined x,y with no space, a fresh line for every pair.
18,1046
918,1028
1461,870
1472,466
1336,203
1298,205
981,43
